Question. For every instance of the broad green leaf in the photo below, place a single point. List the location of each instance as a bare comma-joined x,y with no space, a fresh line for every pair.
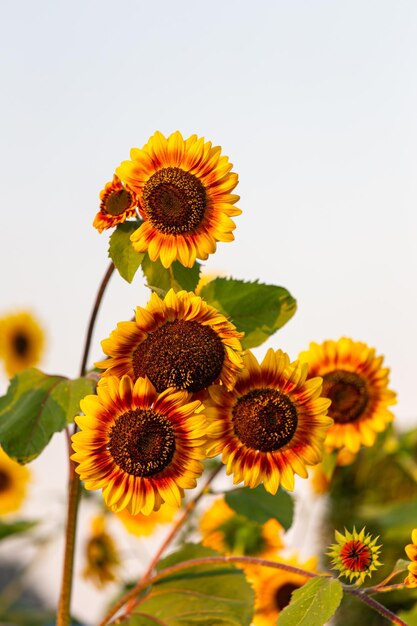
70,392
35,407
260,506
255,308
122,252
209,595
176,277
15,528
313,604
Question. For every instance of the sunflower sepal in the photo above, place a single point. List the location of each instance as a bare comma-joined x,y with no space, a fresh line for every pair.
260,506
258,309
176,277
314,603
125,258
36,406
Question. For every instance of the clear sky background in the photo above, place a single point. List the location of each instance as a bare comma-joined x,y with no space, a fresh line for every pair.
314,102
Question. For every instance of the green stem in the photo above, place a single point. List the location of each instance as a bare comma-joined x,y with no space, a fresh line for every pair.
63,615
244,560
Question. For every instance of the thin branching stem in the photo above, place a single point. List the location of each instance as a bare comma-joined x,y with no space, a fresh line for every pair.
63,615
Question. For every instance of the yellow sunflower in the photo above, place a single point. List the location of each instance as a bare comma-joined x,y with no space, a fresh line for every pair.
229,533
118,203
184,190
101,556
14,479
271,425
179,342
140,448
273,588
357,385
411,551
144,525
21,342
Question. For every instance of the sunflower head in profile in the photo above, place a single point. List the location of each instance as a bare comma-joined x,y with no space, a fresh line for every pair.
229,533
271,425
185,197
355,555
14,480
118,203
179,342
101,556
357,385
273,587
21,342
141,448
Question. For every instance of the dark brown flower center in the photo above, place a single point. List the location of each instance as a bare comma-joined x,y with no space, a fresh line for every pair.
5,481
21,344
356,556
142,442
282,595
175,201
264,419
117,202
181,354
348,392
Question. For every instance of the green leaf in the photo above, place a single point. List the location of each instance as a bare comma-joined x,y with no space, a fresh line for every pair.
260,506
255,308
209,595
313,604
122,252
15,528
35,407
409,617
176,277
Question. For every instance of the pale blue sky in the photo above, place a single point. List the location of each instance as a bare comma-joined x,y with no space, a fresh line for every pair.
314,102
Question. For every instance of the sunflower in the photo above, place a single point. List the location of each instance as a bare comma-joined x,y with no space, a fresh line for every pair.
184,190
271,425
140,448
273,588
13,484
357,385
21,342
229,533
411,551
101,556
118,203
355,555
177,342
144,525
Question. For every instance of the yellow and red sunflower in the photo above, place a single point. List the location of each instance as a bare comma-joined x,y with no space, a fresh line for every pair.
185,197
271,425
229,533
179,342
273,587
357,385
141,448
118,203
21,342
355,555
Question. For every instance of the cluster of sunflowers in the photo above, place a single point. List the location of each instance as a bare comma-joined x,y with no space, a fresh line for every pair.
179,387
